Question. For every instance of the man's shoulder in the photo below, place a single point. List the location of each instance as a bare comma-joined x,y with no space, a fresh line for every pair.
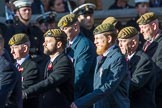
63,56
141,56
3,63
6,67
30,62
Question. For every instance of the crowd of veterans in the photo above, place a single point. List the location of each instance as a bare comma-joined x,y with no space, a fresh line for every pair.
74,64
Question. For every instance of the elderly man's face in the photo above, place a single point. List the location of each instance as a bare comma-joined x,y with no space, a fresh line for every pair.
17,51
147,31
125,46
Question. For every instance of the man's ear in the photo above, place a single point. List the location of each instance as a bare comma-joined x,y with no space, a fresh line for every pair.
25,48
154,25
59,44
134,43
109,39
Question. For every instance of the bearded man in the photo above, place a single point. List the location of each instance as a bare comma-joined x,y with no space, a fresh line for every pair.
111,81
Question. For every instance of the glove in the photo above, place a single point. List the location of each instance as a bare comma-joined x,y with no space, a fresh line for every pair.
24,95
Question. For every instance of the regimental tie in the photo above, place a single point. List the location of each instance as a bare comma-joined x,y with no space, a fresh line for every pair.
19,68
101,60
127,59
128,63
145,46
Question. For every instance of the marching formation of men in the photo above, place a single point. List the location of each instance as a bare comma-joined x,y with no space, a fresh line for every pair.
74,63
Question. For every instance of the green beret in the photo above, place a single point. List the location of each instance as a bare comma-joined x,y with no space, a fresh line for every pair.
110,20
18,39
87,8
146,18
67,20
56,33
127,32
104,28
22,3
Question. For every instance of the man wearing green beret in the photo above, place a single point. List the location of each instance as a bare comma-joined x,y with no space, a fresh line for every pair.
10,81
142,7
141,69
111,78
149,27
20,45
57,87
82,52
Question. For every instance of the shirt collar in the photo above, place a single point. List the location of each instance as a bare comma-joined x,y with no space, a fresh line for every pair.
130,56
22,59
54,57
71,42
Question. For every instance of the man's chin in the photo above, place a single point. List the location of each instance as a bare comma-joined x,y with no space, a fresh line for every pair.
45,52
99,52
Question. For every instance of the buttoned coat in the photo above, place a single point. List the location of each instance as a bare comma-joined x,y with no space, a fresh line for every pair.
154,50
111,83
10,85
57,87
30,76
84,57
143,82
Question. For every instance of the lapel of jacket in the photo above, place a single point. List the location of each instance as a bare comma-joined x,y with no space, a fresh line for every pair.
154,44
24,64
133,61
151,46
74,47
75,43
53,63
26,61
109,55
47,72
